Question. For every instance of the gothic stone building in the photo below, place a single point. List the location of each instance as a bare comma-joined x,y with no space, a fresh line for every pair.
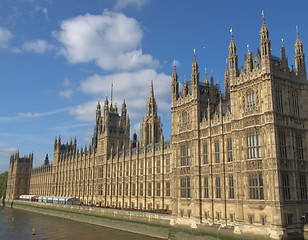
238,159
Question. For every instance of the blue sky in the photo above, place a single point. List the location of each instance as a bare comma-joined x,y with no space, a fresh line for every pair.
58,57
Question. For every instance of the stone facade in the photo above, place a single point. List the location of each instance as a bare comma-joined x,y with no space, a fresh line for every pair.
238,159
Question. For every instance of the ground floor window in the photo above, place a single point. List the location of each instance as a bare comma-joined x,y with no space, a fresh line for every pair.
256,190
185,187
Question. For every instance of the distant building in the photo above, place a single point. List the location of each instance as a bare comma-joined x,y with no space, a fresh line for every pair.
238,159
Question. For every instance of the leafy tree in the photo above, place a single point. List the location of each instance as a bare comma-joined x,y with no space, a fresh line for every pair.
3,182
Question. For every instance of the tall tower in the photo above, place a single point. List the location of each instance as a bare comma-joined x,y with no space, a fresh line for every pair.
18,182
151,126
113,129
300,58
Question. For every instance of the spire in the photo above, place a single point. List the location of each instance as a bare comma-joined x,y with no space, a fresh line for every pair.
174,74
233,63
283,59
98,109
206,81
249,60
151,105
152,89
212,78
175,84
194,72
300,58
184,87
264,30
265,46
226,83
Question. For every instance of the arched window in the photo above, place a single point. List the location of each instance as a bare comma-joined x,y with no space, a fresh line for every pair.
295,104
251,99
184,118
279,103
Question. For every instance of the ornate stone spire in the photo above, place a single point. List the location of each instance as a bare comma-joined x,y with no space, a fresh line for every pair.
227,76
300,57
194,72
233,62
284,59
151,105
206,81
249,60
175,84
265,46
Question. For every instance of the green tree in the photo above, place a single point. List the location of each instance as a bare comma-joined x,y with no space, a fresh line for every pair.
3,182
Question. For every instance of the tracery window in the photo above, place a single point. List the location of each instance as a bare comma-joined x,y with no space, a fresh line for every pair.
158,189
185,155
206,187
149,189
158,166
167,188
303,187
299,147
205,154
256,190
141,189
217,155
295,104
184,118
282,145
230,154
231,187
279,102
254,145
251,99
185,187
285,186
167,164
218,189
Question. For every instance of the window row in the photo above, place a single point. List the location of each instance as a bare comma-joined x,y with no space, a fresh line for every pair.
118,171
114,189
299,150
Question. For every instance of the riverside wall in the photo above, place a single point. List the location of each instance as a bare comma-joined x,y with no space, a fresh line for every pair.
145,223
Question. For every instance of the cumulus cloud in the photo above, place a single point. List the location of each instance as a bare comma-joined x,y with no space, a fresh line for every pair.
85,112
121,4
37,46
5,37
66,82
112,40
44,11
66,93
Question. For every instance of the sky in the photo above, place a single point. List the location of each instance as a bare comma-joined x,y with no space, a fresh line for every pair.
57,58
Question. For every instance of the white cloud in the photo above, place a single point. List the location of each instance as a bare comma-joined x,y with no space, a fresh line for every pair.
5,37
85,112
29,115
42,10
66,93
6,152
66,82
121,4
37,46
112,40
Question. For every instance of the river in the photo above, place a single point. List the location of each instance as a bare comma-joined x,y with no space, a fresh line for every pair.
54,228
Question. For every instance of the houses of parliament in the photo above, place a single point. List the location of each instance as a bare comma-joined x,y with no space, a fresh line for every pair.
237,159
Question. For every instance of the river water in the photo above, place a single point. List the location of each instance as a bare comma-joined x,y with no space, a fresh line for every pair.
54,228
